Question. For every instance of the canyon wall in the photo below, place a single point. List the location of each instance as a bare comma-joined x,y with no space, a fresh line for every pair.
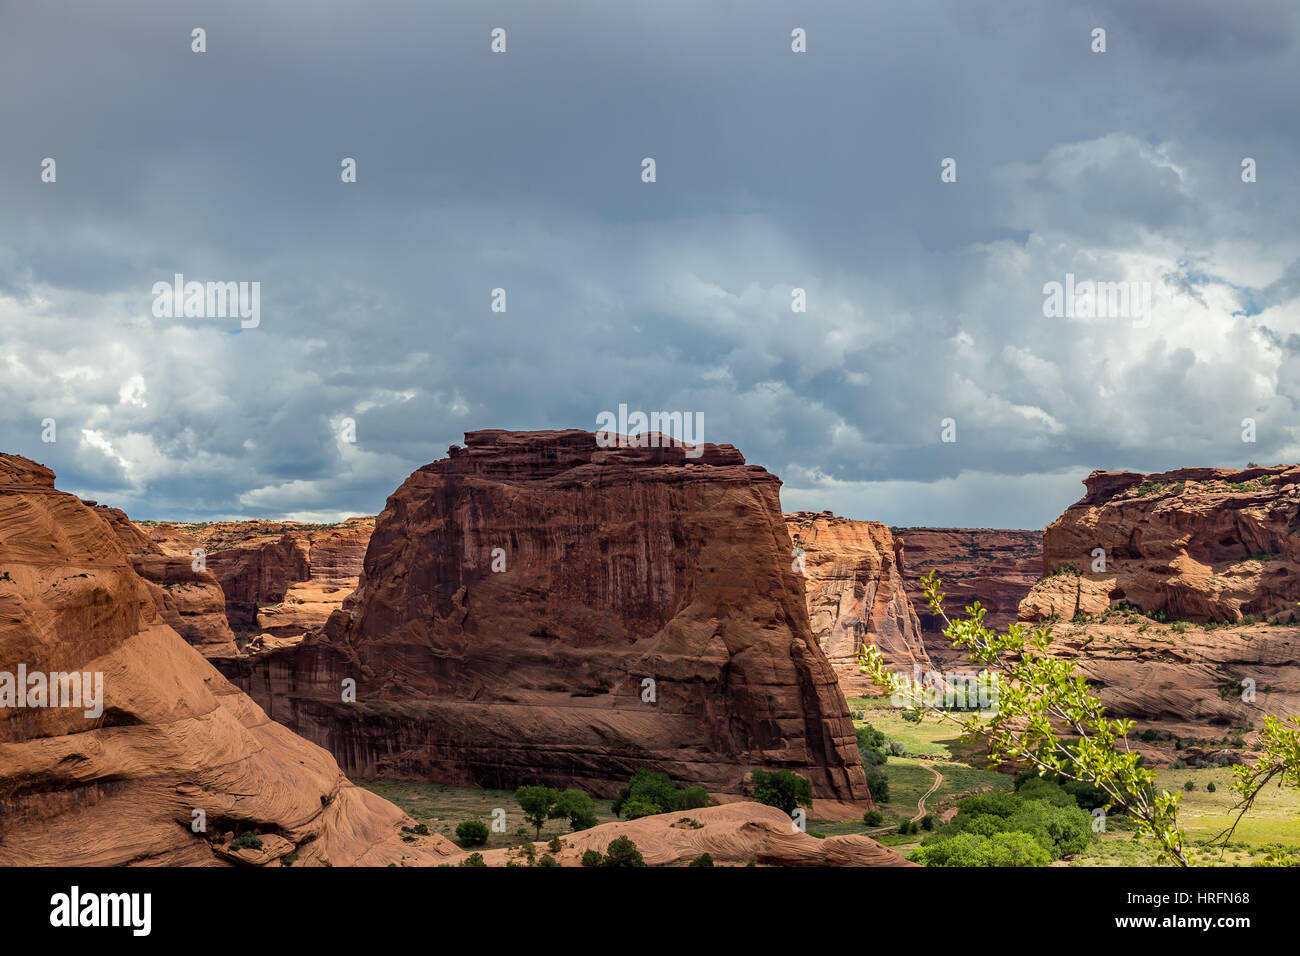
171,742
1186,625
538,608
995,567
856,593
191,601
1198,544
281,579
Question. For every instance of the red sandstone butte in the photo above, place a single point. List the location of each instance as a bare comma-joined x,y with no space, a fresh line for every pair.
1199,544
856,594
173,737
621,566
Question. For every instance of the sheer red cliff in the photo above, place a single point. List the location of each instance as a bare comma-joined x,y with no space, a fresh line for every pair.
538,607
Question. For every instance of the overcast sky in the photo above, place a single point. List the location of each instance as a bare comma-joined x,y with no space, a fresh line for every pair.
523,170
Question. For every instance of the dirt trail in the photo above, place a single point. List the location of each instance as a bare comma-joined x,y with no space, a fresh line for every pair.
938,782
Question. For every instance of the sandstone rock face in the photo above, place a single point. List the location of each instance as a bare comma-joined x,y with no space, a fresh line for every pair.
855,592
1199,544
995,567
1188,681
190,601
171,735
733,834
1065,595
518,597
282,578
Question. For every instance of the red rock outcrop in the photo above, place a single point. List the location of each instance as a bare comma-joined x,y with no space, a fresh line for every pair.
114,776
853,580
281,578
995,567
1064,597
537,607
733,834
1202,550
191,601
1187,681
1198,544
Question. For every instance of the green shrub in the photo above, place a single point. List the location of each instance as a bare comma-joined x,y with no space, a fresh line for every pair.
969,849
878,784
622,852
548,860
472,833
474,859
927,822
653,788
592,858
246,841
702,860
783,789
635,809
873,818
1210,787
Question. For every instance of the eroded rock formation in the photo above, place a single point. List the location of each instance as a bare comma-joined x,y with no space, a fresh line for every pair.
190,600
995,567
119,782
1198,544
1171,628
1188,681
853,579
281,579
537,607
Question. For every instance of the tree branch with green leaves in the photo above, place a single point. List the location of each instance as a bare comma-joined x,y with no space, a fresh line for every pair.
1038,697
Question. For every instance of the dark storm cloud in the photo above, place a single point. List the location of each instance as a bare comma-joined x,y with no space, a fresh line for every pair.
776,170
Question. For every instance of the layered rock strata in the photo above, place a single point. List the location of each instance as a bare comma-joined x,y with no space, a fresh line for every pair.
149,756
539,607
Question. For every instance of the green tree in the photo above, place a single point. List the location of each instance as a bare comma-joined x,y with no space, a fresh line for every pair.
576,807
878,784
472,833
622,852
474,859
702,860
650,787
537,804
635,809
592,858
1279,763
782,788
